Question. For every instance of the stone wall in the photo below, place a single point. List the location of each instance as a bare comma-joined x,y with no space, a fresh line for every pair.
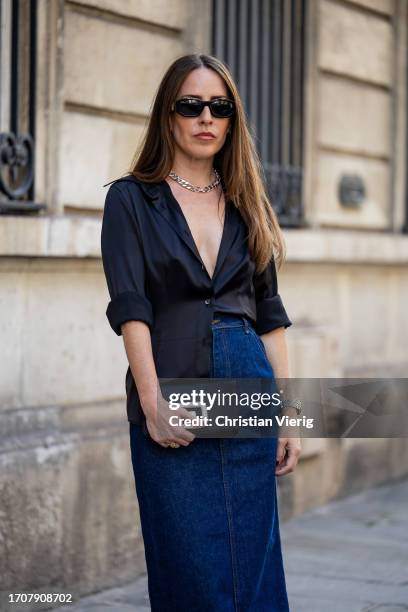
68,506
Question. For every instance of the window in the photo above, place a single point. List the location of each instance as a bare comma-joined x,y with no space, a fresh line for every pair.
18,21
263,42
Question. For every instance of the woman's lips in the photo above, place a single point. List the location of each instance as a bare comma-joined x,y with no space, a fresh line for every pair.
204,137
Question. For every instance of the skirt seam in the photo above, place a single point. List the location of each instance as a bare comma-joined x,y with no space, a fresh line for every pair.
230,531
226,355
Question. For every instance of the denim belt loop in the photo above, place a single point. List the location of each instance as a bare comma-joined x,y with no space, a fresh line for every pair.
245,320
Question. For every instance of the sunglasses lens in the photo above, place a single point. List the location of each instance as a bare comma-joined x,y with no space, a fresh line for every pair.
193,108
222,108
189,108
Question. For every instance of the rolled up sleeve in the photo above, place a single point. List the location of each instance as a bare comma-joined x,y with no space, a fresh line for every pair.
270,311
123,263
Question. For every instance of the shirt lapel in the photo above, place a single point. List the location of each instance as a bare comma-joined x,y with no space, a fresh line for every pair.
155,193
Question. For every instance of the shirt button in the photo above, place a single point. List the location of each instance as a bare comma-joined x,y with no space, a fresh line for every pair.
207,301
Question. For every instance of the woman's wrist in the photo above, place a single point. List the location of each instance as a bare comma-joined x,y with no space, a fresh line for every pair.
289,411
149,401
293,404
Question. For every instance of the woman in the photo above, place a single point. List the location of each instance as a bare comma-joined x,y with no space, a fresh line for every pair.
189,243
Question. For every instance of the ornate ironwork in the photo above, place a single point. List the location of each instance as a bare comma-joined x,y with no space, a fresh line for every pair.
17,144
16,154
284,185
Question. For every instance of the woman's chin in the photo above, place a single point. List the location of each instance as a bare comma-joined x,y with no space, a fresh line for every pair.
198,153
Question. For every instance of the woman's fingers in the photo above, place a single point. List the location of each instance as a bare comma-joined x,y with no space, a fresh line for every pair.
163,432
280,453
287,455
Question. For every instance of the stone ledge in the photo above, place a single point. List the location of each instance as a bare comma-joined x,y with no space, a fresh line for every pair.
49,236
346,246
79,236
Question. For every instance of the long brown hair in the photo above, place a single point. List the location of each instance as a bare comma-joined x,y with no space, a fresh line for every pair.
237,162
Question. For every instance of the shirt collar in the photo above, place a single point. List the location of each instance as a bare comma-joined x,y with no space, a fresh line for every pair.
158,195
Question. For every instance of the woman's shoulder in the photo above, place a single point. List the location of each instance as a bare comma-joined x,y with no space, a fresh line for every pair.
131,184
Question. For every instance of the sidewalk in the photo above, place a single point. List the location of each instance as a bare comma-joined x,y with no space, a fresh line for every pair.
347,556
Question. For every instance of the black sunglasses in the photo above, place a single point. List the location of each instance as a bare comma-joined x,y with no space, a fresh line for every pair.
190,107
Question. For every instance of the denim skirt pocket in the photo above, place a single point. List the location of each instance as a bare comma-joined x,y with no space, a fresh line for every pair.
257,339
239,353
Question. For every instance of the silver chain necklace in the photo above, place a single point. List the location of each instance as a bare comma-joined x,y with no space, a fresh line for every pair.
191,187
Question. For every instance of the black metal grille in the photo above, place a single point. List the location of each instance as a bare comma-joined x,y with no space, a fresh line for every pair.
17,143
263,44
405,222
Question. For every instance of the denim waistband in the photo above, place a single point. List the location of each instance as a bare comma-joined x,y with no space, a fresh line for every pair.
224,319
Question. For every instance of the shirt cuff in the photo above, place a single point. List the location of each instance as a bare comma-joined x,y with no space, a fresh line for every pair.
129,306
271,314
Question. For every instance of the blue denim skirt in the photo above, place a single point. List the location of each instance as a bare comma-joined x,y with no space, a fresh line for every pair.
208,511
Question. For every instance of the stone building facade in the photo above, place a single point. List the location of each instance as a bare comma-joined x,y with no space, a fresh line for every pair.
67,502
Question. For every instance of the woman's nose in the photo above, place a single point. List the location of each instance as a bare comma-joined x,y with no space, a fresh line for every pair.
206,114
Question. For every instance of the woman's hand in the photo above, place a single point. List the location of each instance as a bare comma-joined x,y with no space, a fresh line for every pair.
160,429
287,455
289,448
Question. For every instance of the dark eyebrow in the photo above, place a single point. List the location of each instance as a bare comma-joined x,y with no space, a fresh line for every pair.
200,97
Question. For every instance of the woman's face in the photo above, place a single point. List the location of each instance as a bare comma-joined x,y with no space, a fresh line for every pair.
202,83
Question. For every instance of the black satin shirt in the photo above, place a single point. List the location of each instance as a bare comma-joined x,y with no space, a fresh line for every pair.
155,274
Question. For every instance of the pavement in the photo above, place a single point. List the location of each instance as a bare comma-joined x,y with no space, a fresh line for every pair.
350,555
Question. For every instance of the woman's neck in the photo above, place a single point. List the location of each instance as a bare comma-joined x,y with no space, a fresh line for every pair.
198,173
